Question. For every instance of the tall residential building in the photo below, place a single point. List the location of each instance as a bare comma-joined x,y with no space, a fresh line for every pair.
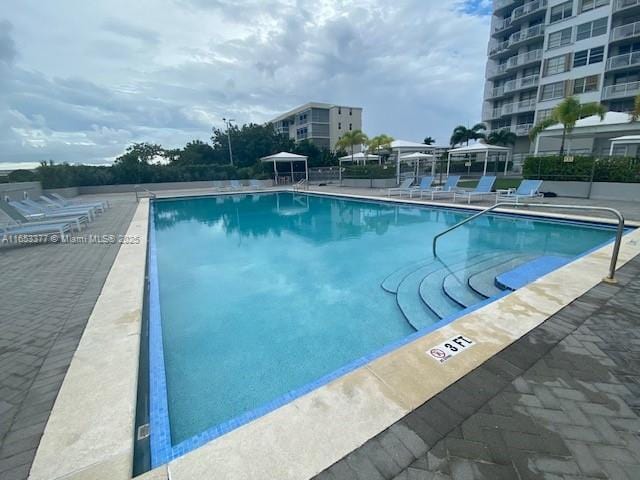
542,51
322,123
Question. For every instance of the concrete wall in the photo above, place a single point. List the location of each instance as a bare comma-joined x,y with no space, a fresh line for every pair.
15,191
629,192
154,187
68,192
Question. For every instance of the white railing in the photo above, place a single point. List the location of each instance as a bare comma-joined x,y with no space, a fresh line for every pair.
621,90
497,4
506,23
625,31
622,4
526,34
513,85
527,8
621,61
523,129
509,108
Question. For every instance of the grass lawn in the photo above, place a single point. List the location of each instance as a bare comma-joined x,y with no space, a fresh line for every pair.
501,183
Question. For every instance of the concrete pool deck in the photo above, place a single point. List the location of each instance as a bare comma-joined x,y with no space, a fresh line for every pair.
185,470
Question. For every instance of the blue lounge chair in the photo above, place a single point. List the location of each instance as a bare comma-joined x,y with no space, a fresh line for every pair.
404,187
526,189
482,190
449,188
425,185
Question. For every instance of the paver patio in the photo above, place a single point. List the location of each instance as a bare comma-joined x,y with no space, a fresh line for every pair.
47,293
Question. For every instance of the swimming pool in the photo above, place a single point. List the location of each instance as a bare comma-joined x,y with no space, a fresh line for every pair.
256,299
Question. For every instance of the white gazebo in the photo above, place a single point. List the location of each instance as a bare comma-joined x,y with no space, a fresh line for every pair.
480,149
360,157
624,142
403,147
416,157
286,157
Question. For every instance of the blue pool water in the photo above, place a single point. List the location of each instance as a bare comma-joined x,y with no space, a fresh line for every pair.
259,295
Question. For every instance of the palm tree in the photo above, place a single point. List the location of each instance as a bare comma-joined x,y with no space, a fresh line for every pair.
567,113
380,142
462,134
635,113
504,137
429,141
349,141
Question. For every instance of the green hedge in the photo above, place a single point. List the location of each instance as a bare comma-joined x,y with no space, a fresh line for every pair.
369,171
606,169
63,175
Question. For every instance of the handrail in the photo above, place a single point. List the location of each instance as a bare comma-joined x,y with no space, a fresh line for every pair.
149,193
616,247
299,184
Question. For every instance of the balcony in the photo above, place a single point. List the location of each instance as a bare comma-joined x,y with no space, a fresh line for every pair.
518,37
518,84
621,61
621,90
520,130
625,31
622,4
498,4
527,8
510,108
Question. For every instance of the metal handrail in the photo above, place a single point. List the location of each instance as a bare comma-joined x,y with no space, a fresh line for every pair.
616,247
301,183
149,193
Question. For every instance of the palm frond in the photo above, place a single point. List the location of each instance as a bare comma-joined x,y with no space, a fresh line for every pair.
540,126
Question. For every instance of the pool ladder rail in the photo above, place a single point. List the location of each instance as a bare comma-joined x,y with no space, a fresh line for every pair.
610,278
142,192
301,185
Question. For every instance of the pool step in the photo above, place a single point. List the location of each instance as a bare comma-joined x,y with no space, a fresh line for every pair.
456,284
393,280
409,302
484,282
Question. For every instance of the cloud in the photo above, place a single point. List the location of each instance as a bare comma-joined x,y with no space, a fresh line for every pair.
167,71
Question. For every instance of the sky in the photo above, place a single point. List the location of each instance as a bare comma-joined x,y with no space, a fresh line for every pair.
80,80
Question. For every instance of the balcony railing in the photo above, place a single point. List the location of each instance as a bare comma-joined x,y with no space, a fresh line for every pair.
513,85
520,130
517,37
622,4
497,4
626,31
620,61
621,90
528,8
510,108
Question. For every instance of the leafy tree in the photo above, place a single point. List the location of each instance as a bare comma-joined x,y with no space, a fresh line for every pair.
133,165
567,113
462,134
429,141
504,137
250,142
22,176
350,140
198,152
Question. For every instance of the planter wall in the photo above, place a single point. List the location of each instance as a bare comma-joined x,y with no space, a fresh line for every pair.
369,183
629,192
154,187
16,191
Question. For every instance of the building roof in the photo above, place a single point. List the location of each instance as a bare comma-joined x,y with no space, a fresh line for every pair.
284,157
627,139
360,156
396,144
416,156
307,106
479,147
610,118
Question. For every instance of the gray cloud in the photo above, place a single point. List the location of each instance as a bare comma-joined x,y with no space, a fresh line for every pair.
169,71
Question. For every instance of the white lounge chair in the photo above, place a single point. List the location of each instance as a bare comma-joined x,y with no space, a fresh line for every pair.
53,203
65,202
404,187
18,219
526,190
235,185
8,232
32,214
46,208
482,190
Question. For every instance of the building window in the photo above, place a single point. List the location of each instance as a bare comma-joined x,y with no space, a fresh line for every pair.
592,29
339,110
544,114
559,38
560,12
339,125
551,91
350,126
586,84
591,4
555,65
584,57
350,111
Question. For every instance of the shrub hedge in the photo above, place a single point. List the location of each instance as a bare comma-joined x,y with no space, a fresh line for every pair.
604,169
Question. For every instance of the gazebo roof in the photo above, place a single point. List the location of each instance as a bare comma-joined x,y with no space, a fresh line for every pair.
479,148
610,118
284,157
397,144
416,156
360,156
627,139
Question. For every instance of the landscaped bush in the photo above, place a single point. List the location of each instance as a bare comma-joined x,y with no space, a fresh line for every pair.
606,169
369,171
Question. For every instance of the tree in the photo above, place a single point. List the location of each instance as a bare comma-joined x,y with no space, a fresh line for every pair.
504,137
349,141
429,141
133,165
567,113
380,142
249,143
462,134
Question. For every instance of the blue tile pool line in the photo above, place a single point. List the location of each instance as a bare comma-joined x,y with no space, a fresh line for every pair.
163,451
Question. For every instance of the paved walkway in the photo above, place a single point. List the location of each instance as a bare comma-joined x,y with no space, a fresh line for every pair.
47,293
563,402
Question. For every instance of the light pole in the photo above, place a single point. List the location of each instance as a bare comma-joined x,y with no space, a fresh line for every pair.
228,123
